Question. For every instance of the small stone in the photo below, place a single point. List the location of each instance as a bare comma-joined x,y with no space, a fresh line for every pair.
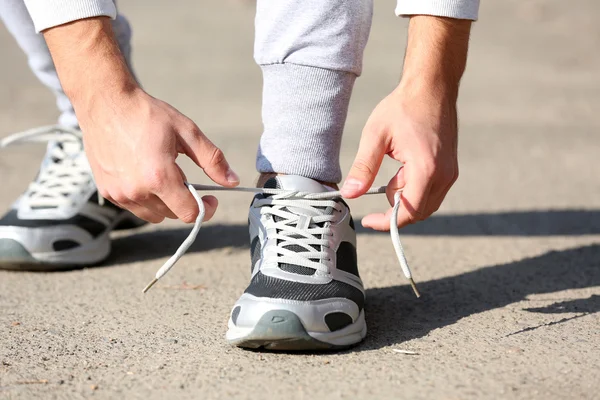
15,323
94,387
514,350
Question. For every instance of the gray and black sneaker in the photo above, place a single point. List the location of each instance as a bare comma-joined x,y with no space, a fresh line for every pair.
305,292
59,222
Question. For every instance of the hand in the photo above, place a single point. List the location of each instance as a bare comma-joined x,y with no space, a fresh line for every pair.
132,140
416,124
419,130
132,144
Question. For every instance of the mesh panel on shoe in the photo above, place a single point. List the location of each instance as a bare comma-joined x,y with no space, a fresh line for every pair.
255,249
275,288
346,258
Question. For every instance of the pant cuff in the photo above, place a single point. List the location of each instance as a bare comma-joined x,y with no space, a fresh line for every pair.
304,112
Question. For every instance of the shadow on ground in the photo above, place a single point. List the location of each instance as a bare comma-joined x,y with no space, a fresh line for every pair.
395,316
514,223
150,245
146,245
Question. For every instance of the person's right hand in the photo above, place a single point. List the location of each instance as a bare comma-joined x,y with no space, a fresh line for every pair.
132,143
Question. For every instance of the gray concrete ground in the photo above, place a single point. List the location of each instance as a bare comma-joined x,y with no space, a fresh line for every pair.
509,267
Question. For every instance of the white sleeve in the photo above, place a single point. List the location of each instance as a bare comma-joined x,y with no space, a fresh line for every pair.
49,13
460,9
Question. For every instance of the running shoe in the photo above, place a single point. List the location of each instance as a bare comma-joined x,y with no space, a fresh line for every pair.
60,222
305,291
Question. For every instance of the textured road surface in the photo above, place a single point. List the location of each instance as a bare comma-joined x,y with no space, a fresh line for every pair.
509,267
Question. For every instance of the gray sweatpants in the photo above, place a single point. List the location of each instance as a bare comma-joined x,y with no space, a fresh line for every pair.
18,22
310,52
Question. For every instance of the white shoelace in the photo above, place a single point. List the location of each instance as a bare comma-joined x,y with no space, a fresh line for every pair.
282,198
59,180
66,172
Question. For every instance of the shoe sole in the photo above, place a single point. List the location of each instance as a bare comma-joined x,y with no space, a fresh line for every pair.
15,257
282,330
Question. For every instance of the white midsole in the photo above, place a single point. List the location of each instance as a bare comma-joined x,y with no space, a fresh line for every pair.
351,334
89,253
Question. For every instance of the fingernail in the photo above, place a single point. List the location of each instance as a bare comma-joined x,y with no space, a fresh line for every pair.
232,176
352,184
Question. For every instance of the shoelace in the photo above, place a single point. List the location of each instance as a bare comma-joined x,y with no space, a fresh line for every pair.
301,199
58,180
66,172
304,230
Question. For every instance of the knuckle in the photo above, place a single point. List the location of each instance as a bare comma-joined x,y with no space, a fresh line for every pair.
430,168
157,219
121,198
456,174
150,217
135,193
216,157
415,216
188,218
155,178
193,128
448,175
363,166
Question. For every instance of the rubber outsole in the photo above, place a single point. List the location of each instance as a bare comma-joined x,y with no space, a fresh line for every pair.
282,330
14,257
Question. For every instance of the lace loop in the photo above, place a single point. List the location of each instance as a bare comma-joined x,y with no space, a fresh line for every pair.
302,200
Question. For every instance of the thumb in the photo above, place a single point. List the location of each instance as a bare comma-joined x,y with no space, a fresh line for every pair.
208,157
365,167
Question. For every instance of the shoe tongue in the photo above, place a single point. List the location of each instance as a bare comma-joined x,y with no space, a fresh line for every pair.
294,182
300,184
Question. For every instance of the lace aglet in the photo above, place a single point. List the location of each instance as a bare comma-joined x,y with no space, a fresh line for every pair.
414,287
150,285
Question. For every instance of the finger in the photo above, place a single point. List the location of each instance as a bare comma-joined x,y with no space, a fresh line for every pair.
378,221
157,206
138,210
208,157
144,198
366,165
170,189
210,206
395,184
414,195
441,189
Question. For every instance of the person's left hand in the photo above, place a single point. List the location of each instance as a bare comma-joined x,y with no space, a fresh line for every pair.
419,129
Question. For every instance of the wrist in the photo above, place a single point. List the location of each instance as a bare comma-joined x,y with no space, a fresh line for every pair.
427,89
436,56
89,62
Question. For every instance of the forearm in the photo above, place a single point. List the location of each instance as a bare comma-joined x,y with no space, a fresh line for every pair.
88,60
436,55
